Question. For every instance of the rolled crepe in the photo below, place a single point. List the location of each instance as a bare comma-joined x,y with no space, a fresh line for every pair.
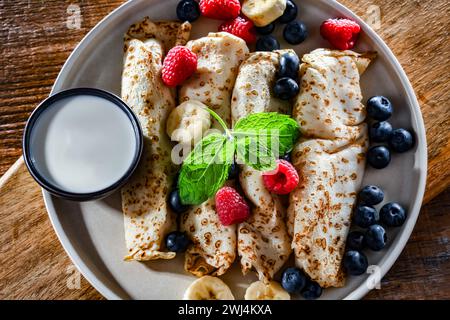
263,241
219,56
329,159
213,248
147,217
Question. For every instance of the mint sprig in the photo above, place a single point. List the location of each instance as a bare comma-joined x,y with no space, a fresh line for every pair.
257,140
206,168
274,128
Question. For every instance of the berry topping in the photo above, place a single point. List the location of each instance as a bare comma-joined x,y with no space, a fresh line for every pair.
379,108
379,157
355,262
289,66
355,240
175,202
283,180
285,88
371,195
177,241
312,290
266,29
188,10
231,206
401,140
240,27
365,216
375,237
380,131
290,13
341,33
392,214
267,43
295,32
220,9
293,280
179,64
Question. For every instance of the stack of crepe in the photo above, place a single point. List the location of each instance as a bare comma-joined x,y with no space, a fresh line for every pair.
219,55
329,159
147,216
263,242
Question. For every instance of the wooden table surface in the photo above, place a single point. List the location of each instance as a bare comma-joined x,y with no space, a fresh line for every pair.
38,36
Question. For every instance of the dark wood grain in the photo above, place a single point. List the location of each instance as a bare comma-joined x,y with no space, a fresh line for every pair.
35,42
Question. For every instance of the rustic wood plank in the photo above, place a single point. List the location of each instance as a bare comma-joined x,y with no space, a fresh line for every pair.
35,44
34,264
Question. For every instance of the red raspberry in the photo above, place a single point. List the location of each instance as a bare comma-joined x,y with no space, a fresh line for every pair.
179,64
283,180
220,9
240,27
341,33
231,206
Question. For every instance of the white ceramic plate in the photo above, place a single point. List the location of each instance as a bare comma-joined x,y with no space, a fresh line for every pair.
92,233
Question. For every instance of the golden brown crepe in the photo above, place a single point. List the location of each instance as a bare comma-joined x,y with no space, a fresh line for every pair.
219,55
263,241
329,159
147,216
213,248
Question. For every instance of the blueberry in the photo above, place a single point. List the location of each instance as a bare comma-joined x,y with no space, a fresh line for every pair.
285,88
267,43
234,171
401,140
287,157
188,10
175,202
177,241
355,240
293,280
266,29
365,216
311,291
371,195
355,262
392,214
290,13
375,237
295,32
379,157
380,131
379,108
289,65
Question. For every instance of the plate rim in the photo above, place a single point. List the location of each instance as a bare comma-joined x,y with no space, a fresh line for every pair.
422,160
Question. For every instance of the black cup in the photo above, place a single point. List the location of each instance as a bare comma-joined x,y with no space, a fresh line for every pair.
51,187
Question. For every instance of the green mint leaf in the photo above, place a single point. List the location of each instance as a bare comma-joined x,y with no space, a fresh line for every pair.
257,140
206,168
255,153
278,132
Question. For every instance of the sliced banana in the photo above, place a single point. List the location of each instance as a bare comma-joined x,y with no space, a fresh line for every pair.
263,12
188,122
260,291
208,288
